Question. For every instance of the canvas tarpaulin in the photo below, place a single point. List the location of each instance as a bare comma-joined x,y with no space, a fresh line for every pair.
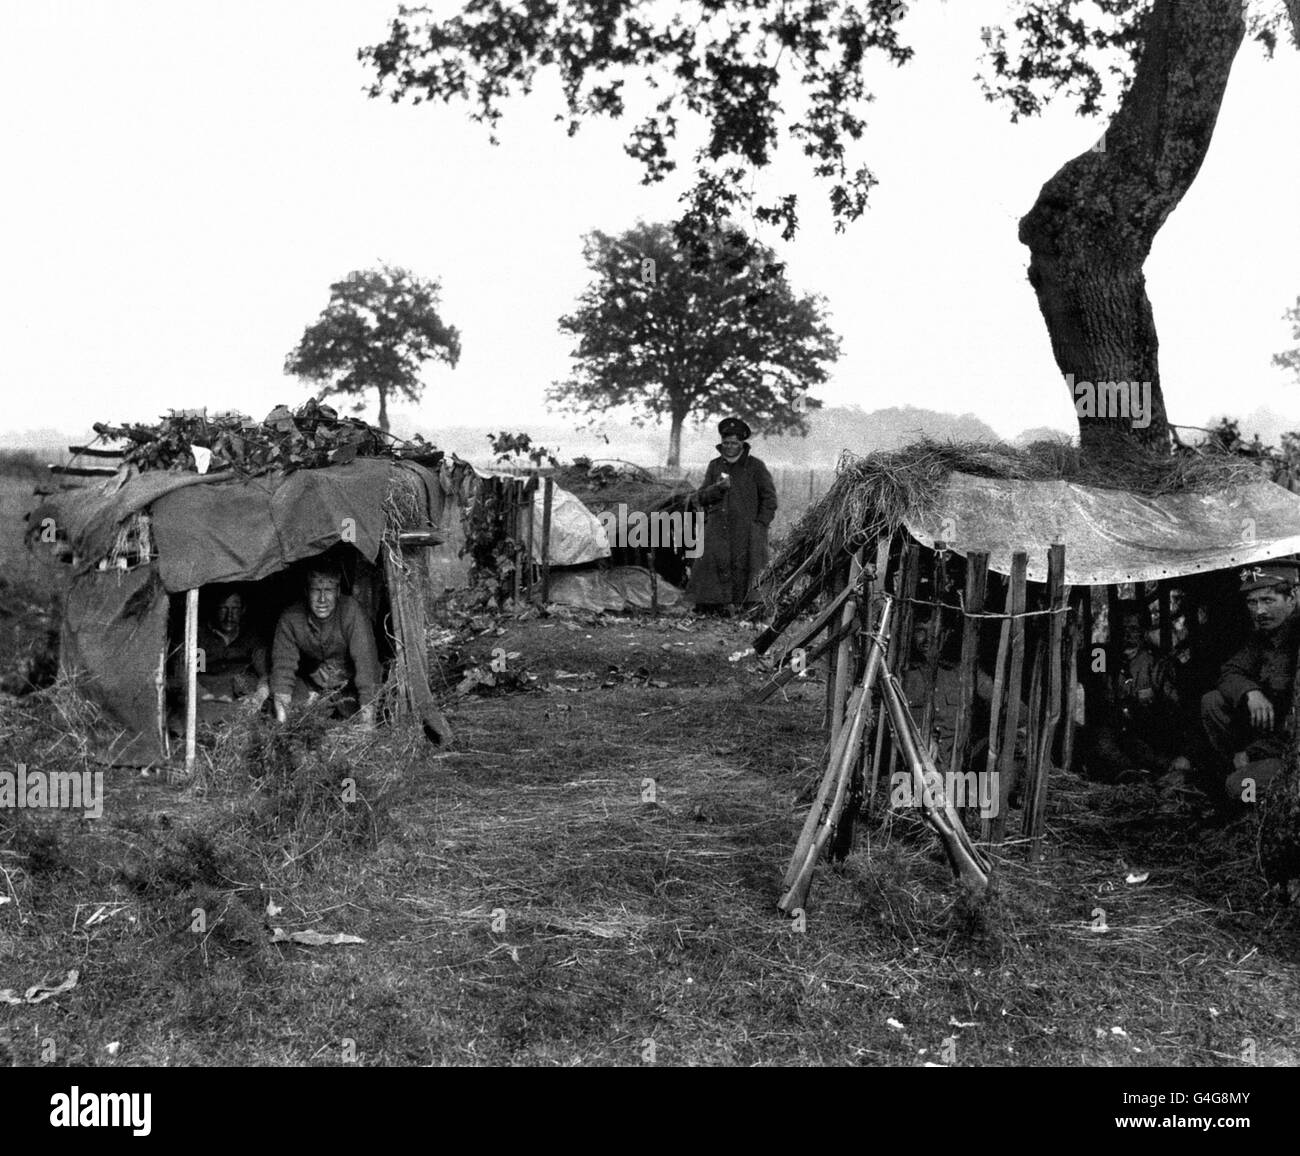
1110,536
245,531
113,633
577,537
90,515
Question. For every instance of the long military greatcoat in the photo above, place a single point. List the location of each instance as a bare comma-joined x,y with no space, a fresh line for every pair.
736,520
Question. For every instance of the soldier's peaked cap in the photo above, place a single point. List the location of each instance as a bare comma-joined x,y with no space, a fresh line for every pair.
1263,575
733,425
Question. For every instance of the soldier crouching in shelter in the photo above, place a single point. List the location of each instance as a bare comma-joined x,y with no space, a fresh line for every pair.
1247,717
325,648
739,501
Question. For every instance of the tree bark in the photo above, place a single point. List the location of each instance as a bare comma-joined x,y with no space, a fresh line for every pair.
383,409
675,441
1093,224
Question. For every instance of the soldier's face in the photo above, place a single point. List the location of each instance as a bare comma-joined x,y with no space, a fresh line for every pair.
322,595
1268,609
1132,633
230,614
731,444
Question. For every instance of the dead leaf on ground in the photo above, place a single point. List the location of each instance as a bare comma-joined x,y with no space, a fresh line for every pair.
313,938
39,992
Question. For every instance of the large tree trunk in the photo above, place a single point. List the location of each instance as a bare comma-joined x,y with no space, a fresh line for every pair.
675,441
383,409
1092,226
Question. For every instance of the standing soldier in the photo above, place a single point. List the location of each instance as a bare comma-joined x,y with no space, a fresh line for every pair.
739,503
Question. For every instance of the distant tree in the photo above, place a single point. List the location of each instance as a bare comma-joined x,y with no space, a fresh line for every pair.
1290,358
379,329
678,337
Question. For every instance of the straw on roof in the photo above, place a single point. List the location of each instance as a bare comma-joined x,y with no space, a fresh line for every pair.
872,496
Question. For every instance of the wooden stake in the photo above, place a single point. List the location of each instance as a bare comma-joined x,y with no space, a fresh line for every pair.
1014,688
977,580
530,591
901,638
191,674
1073,631
548,497
995,718
782,677
843,654
1036,788
934,638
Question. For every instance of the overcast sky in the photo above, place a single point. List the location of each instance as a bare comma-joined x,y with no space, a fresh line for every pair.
183,181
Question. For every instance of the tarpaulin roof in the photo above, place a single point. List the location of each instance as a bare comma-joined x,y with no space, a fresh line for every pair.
1110,535
238,529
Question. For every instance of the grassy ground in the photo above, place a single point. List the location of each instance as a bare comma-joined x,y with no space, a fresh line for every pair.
522,901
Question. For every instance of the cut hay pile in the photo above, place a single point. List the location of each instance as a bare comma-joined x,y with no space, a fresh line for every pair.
873,496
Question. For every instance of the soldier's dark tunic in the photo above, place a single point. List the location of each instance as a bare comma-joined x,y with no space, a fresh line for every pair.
1266,663
736,521
232,667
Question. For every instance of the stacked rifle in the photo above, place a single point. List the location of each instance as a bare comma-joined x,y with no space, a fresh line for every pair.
851,768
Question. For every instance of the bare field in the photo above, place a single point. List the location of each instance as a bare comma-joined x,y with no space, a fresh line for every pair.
589,876
15,501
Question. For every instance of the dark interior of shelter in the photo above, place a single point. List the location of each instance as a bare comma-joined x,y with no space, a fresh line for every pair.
1147,653
264,601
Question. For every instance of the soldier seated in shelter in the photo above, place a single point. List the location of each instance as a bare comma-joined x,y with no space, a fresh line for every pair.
232,661
324,648
1247,717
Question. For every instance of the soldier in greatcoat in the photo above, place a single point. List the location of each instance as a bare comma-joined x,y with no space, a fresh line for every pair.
739,501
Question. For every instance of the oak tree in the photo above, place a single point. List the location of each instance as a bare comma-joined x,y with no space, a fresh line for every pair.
678,337
380,328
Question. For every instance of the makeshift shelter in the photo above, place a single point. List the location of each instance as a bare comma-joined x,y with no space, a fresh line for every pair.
584,535
139,543
901,550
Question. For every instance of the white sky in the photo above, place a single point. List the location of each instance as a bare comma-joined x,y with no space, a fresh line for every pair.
183,181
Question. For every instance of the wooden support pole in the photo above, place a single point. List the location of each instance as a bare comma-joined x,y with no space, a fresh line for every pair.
933,641
901,638
516,493
1013,692
845,831
1073,640
789,673
977,581
530,591
824,618
828,707
1036,787
548,498
191,674
995,719
843,652
1035,720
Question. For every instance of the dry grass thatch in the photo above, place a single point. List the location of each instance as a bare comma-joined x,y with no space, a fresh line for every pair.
873,495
